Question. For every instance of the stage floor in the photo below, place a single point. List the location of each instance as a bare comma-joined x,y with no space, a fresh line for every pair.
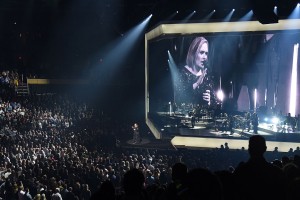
206,134
208,129
200,142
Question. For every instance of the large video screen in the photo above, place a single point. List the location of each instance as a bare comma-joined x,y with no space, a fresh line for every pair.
183,68
217,77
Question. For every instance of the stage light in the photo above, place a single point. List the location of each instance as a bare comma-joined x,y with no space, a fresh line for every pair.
295,13
209,15
293,89
171,16
275,10
228,17
255,98
231,93
220,95
187,18
247,16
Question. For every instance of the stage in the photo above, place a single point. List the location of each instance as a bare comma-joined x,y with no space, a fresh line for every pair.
210,133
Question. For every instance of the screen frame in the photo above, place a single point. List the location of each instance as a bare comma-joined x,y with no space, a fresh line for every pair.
165,30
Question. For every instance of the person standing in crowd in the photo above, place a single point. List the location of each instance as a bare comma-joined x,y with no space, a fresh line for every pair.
257,178
196,83
136,133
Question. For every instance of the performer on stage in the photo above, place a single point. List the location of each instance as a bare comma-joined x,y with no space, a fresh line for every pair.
195,81
136,133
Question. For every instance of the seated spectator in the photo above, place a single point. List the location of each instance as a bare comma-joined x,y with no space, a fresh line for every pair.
106,191
179,172
134,185
202,183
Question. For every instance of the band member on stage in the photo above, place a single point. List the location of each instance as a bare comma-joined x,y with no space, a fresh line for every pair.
290,121
230,124
136,133
298,122
225,123
248,121
193,120
255,122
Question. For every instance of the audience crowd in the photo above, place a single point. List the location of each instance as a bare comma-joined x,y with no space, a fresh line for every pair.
57,147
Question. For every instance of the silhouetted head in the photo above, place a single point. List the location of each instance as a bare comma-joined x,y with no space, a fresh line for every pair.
257,145
179,171
133,182
106,191
202,182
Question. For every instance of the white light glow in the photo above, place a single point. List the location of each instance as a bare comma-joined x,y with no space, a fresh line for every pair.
231,93
266,119
293,90
275,120
255,98
220,95
275,10
266,92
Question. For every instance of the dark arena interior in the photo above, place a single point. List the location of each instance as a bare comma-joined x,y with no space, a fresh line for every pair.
149,99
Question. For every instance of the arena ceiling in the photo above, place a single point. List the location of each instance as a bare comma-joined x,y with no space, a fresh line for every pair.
132,11
40,34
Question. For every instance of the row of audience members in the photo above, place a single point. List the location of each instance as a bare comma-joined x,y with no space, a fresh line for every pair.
80,160
9,78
